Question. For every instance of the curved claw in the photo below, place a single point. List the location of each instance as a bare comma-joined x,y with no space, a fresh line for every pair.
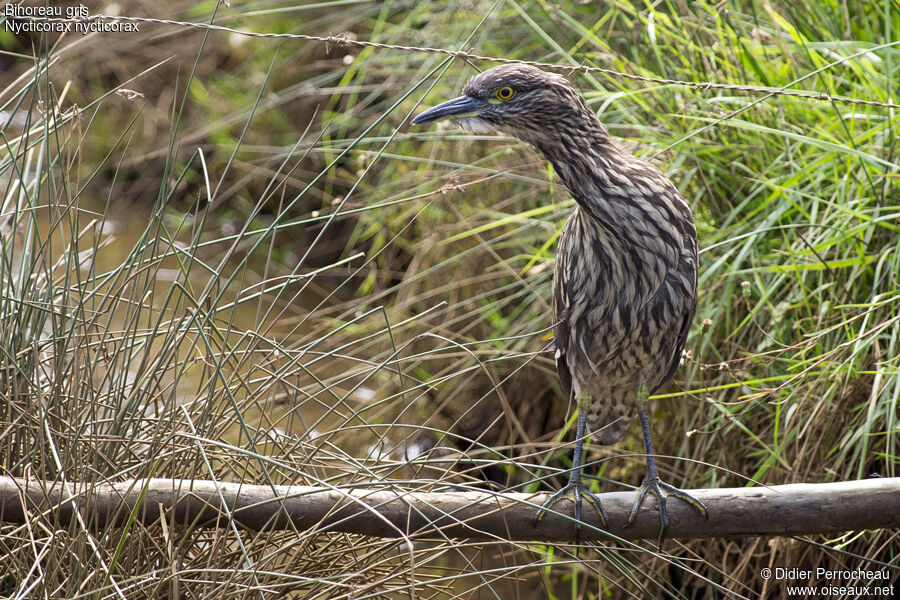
574,492
662,490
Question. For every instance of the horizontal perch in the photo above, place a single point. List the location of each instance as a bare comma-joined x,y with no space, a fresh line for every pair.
794,509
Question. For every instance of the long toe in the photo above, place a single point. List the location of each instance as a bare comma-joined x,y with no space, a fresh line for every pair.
662,491
673,491
574,492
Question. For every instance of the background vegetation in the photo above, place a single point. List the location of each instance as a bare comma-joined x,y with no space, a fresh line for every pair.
228,257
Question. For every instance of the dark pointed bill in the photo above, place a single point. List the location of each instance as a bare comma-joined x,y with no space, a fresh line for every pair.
464,106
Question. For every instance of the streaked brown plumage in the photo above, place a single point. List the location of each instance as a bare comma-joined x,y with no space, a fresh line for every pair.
625,282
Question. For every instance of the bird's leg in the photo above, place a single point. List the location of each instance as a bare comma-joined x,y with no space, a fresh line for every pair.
575,489
652,484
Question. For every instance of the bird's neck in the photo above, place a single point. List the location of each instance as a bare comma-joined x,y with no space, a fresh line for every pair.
623,195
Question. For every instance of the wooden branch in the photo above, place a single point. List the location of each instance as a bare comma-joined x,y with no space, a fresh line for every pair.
795,509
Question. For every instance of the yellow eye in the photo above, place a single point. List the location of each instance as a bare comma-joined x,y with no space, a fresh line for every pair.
505,93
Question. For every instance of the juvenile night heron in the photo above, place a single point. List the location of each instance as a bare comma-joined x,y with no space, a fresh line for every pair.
625,283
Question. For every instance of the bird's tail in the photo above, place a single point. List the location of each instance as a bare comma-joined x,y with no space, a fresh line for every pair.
607,423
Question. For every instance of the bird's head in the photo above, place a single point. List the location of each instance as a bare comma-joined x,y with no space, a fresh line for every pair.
520,100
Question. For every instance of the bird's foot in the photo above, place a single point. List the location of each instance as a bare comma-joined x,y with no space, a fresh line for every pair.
574,491
652,485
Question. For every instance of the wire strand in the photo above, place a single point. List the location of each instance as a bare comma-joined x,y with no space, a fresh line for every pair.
339,40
